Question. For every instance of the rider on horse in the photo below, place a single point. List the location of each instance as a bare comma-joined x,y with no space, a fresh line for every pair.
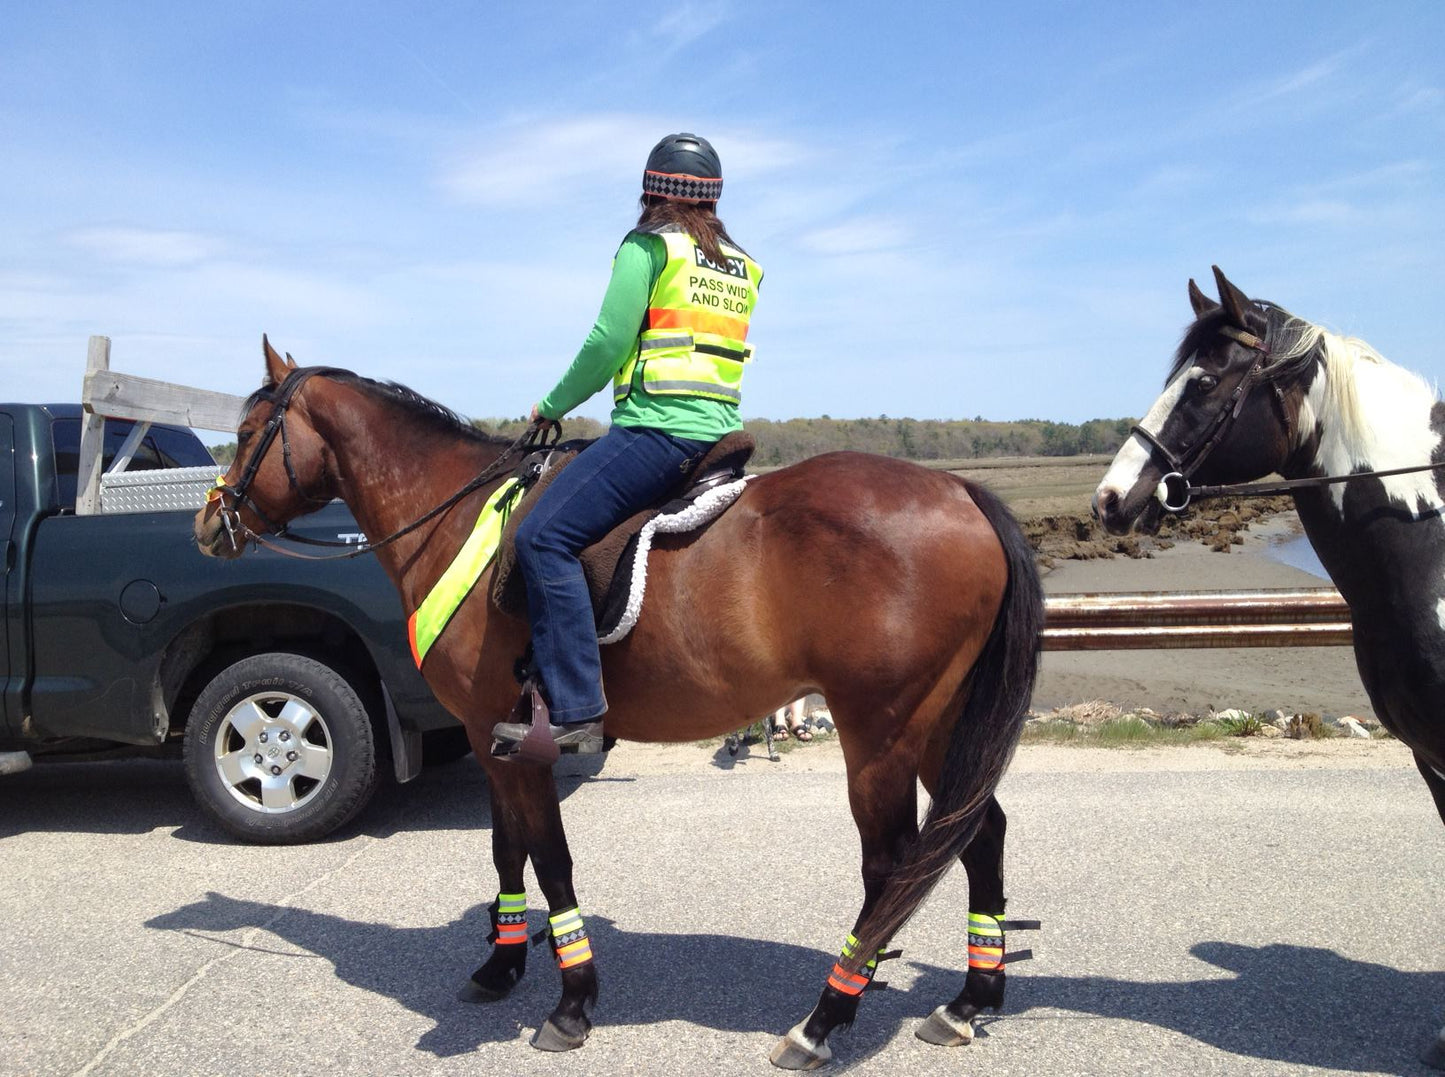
671,337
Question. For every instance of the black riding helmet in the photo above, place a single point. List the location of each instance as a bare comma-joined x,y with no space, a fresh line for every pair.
685,168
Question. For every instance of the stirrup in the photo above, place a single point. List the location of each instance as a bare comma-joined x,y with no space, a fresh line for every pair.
537,746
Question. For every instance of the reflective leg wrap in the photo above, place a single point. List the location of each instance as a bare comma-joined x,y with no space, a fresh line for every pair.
569,938
509,919
852,983
985,942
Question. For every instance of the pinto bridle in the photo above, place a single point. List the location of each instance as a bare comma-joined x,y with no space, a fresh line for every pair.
1175,490
239,534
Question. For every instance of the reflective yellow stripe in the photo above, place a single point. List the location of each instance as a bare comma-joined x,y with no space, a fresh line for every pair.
432,615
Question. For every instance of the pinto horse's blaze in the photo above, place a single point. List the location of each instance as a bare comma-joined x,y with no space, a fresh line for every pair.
908,597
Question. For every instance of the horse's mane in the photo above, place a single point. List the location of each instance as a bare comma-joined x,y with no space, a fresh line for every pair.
431,415
1295,346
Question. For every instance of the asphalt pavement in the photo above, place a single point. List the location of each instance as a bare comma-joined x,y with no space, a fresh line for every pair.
1212,922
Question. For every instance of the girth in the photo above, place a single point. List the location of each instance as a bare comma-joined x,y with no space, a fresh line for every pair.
609,588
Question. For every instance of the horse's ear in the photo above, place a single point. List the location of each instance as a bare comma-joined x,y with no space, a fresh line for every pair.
276,368
1234,301
1201,303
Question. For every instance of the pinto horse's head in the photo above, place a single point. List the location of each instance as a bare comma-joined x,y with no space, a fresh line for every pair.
1226,415
280,471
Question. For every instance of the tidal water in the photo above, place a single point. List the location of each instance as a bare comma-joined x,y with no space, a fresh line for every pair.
1297,552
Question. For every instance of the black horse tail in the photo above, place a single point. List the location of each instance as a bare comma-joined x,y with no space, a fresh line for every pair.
982,741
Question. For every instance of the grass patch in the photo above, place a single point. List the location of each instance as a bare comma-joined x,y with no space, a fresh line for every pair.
1125,731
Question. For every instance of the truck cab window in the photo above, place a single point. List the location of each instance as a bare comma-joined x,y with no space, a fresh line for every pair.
162,447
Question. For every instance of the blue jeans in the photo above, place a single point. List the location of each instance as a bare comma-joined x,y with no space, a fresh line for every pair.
621,473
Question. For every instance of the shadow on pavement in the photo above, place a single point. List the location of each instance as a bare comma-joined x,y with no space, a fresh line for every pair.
1292,1004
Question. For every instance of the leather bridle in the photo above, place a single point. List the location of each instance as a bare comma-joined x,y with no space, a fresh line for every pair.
1175,490
239,534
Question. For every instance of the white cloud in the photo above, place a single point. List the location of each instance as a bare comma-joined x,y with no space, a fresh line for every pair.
550,161
144,246
686,23
861,235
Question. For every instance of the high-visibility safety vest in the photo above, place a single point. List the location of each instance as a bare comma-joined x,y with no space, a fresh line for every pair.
694,338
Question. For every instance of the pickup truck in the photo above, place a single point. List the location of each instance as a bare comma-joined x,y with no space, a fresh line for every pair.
285,686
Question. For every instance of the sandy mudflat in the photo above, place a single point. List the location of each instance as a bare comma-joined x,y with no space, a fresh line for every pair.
1295,680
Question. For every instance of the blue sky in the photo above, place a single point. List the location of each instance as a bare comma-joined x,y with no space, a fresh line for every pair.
962,209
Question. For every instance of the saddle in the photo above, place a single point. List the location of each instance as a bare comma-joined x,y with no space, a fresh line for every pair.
609,564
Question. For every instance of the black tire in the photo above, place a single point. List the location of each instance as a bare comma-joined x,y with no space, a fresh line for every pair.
279,749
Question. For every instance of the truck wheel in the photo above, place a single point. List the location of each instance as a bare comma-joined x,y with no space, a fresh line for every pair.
279,749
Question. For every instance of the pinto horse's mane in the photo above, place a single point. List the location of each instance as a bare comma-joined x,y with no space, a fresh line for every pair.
1295,346
432,416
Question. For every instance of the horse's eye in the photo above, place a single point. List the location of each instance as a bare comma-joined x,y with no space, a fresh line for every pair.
242,437
1206,383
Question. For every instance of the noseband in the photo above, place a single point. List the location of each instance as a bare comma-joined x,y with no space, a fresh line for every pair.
1175,490
240,492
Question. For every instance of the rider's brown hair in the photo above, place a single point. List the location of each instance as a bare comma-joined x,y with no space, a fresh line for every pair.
697,219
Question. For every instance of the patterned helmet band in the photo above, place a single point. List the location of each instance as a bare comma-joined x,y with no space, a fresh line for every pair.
682,188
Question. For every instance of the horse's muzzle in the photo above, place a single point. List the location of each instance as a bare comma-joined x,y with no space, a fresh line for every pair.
213,537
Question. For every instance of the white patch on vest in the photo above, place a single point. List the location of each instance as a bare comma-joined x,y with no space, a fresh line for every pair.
704,508
1134,455
1395,406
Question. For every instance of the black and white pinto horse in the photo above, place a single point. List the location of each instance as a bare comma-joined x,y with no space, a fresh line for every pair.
1255,390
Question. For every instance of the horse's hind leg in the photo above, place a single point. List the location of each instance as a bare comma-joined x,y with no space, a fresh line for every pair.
952,1025
508,960
887,818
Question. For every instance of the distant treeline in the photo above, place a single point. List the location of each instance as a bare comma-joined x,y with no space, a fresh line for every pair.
790,440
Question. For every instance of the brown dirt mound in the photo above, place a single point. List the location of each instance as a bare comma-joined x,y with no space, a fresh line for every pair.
1217,524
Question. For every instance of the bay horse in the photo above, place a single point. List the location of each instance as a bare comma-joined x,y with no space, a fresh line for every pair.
1255,390
924,612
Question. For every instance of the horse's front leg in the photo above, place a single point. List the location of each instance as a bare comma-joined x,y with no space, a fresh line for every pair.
508,960
525,796
1434,1053
952,1025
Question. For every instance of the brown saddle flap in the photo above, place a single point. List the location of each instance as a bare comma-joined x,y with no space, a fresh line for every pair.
723,461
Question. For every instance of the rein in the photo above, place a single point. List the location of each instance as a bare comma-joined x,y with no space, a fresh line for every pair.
1176,491
534,437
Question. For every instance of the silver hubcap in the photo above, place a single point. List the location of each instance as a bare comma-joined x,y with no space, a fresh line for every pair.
273,752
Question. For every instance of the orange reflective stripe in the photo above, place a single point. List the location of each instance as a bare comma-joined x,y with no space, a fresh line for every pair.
574,953
985,957
699,321
411,638
511,934
850,983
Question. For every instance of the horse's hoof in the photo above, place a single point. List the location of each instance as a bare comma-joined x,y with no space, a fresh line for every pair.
794,1052
946,1029
551,1038
1434,1055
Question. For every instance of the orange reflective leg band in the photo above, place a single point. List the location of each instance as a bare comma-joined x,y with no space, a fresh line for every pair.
985,941
569,938
509,919
851,983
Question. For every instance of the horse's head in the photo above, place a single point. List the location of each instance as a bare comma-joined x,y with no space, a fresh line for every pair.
1226,415
281,470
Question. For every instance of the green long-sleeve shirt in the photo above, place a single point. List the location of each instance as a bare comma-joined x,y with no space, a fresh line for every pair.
635,270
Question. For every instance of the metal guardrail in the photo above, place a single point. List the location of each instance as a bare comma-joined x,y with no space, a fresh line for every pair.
1312,617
